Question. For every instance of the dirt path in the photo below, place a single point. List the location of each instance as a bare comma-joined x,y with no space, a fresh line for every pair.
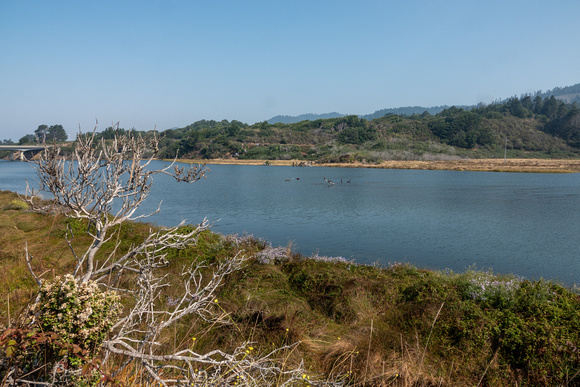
490,165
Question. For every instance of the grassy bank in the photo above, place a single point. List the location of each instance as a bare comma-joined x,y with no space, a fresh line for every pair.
358,324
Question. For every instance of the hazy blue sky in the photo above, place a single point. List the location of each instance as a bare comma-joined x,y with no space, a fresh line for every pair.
171,63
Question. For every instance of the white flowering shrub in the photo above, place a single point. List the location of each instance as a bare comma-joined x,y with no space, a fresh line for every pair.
245,239
486,286
321,258
79,313
272,255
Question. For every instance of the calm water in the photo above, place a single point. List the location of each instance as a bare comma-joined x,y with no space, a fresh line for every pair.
526,224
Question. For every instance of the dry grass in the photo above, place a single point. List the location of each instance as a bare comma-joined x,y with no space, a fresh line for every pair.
486,165
19,227
240,162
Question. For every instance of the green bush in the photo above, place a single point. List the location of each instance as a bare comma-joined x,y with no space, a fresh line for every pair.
58,341
16,204
79,313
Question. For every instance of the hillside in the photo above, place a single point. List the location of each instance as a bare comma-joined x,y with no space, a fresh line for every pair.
409,111
302,117
525,127
520,128
406,111
568,94
538,125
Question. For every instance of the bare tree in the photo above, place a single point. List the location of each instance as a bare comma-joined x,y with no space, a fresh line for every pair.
105,184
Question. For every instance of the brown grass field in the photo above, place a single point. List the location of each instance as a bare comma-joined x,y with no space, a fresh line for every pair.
486,165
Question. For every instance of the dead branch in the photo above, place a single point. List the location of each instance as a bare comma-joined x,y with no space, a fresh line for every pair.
104,184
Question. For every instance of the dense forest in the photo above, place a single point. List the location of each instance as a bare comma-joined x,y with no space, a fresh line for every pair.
525,126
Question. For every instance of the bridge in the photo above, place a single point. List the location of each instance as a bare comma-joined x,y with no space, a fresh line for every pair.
22,152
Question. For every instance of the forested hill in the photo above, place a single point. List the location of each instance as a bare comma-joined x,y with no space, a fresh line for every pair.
567,94
302,117
526,127
407,110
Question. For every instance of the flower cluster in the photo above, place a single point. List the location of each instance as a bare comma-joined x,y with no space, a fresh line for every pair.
79,313
246,239
316,257
486,285
272,255
281,254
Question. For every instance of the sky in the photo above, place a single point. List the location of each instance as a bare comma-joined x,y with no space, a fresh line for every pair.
151,64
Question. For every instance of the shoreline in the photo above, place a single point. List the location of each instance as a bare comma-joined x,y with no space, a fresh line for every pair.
480,165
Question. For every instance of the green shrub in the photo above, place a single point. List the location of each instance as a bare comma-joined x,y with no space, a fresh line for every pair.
58,341
15,204
79,313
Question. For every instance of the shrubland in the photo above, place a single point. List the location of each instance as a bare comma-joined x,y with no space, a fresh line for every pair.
90,296
521,127
531,126
352,324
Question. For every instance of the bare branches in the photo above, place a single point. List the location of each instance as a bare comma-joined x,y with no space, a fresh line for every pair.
139,335
242,367
28,260
197,298
105,184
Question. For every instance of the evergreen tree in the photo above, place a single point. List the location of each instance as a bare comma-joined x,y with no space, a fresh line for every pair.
29,138
56,133
538,105
550,108
41,133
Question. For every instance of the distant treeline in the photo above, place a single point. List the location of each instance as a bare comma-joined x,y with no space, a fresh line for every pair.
532,125
405,111
527,124
569,94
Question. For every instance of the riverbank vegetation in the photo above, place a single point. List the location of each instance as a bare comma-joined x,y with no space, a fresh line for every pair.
516,128
531,126
341,322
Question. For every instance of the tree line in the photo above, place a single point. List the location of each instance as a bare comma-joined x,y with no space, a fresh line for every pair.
45,134
524,124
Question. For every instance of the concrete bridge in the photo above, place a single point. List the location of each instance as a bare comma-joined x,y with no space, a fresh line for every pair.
22,152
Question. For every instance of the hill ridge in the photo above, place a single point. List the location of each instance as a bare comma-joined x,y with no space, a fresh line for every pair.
568,94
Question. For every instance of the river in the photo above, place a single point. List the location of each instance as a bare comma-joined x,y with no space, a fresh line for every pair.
525,224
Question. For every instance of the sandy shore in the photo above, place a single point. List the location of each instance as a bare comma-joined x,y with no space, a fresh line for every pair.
490,165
